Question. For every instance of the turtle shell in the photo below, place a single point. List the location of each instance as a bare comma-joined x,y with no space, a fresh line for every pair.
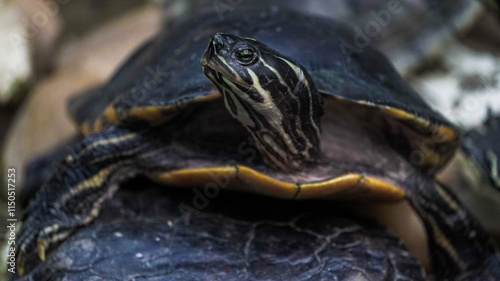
164,76
408,32
147,234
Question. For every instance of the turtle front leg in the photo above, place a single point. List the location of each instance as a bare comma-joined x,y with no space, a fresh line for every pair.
41,168
459,245
74,194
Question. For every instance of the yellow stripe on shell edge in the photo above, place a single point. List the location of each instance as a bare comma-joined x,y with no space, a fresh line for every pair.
158,114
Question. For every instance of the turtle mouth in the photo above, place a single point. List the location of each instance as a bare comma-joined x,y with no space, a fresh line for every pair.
217,73
205,58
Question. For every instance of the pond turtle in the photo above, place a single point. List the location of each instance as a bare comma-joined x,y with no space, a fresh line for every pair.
142,227
292,116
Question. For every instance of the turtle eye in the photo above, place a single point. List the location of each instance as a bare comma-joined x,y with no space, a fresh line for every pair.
245,56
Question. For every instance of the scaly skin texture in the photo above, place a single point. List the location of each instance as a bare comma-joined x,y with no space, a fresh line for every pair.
460,248
272,96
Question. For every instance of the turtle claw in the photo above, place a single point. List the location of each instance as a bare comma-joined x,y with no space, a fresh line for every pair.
20,262
26,248
41,246
36,237
20,270
32,243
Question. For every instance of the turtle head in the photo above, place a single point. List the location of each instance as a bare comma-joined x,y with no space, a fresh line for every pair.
271,95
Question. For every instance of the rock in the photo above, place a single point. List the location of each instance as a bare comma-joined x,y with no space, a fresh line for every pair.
42,19
15,56
30,30
464,87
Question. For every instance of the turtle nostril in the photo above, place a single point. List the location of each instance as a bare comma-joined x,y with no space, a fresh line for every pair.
217,42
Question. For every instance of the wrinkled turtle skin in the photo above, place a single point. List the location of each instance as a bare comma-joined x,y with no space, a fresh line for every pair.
148,236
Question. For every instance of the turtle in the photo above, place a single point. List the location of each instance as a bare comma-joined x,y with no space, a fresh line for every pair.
289,115
143,227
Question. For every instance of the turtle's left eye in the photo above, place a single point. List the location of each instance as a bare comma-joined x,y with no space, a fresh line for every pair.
245,56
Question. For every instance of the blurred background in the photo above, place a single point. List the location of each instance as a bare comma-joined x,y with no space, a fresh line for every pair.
50,50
